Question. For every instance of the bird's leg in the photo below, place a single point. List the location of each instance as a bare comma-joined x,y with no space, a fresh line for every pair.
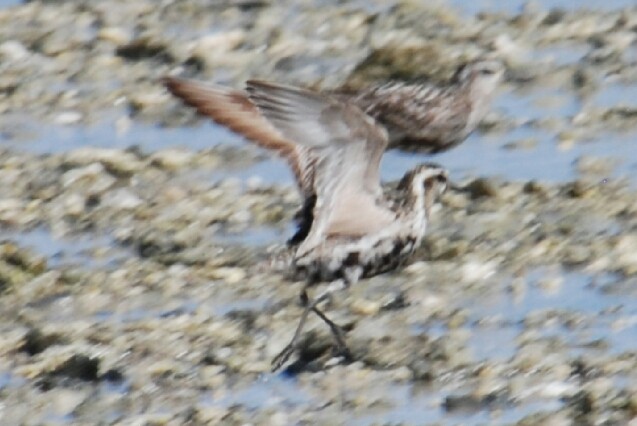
285,354
337,332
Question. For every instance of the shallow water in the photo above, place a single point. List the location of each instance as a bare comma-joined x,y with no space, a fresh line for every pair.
79,250
22,134
548,291
615,94
412,405
577,293
512,7
480,155
495,321
9,3
267,391
560,54
489,155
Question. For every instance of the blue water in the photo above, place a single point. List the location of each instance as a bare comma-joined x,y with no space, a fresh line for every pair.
511,7
75,250
9,3
480,155
577,293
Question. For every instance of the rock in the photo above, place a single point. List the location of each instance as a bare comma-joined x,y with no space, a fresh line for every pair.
13,50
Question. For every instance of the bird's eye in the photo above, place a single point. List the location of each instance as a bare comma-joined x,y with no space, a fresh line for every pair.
487,71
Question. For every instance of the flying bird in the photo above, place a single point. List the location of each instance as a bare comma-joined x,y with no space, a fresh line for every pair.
350,228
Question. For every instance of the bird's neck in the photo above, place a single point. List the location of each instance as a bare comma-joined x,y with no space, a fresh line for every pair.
414,196
479,98
415,190
467,87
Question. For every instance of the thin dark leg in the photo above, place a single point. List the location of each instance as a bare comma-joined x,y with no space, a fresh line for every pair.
285,354
337,332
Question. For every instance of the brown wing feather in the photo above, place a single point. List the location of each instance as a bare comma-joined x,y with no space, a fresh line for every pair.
320,121
234,110
428,116
349,146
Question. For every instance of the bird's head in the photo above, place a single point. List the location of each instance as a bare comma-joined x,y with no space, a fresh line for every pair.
481,75
428,181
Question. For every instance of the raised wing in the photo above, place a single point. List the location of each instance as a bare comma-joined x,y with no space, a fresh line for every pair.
232,109
348,147
321,122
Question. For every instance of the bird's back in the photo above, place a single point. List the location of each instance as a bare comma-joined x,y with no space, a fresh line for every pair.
418,116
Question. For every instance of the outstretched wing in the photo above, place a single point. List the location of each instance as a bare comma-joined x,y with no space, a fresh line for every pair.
414,113
348,146
232,109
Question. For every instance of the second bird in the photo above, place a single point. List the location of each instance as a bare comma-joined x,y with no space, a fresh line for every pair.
432,118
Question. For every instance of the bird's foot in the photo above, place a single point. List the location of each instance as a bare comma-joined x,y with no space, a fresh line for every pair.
282,357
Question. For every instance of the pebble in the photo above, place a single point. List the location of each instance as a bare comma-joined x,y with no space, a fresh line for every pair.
122,199
228,275
172,159
114,160
365,307
13,50
116,35
65,401
68,118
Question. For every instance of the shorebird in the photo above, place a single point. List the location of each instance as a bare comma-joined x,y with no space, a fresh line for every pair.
432,118
352,229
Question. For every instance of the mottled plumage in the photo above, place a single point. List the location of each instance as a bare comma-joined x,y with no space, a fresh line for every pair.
429,118
352,230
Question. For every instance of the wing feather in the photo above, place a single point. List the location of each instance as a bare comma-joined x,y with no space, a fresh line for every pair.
234,110
348,146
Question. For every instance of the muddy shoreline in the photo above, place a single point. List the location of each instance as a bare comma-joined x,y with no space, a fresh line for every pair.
132,280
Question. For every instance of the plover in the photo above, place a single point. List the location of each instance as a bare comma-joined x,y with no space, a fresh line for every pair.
432,118
352,230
